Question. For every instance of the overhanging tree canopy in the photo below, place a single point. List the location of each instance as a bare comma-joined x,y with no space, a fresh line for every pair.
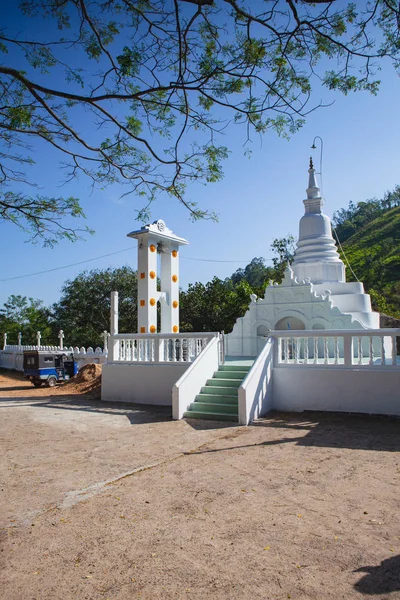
138,91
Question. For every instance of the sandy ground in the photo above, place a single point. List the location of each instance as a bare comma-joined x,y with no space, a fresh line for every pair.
111,501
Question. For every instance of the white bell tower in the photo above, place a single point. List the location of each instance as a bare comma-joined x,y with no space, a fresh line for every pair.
153,240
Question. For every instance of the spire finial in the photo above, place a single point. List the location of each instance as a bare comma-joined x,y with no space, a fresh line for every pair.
311,163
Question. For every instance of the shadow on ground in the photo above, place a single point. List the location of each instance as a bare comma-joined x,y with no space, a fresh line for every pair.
204,424
136,413
328,430
13,388
383,579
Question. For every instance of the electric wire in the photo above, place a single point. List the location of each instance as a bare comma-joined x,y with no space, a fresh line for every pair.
343,252
219,261
322,194
82,262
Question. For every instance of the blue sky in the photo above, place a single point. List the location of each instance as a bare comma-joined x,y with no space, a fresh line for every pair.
258,200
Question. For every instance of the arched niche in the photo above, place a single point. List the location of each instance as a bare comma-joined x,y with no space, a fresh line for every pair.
287,323
318,326
263,330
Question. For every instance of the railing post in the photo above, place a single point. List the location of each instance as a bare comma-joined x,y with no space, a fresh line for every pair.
347,349
316,349
277,347
359,350
61,338
306,350
114,327
105,341
371,350
394,350
157,344
383,353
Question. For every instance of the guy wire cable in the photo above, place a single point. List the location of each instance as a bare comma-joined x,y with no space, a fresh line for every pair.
313,147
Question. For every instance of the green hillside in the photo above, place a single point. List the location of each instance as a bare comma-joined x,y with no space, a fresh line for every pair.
373,252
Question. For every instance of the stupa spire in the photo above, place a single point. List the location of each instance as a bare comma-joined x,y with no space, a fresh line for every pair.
313,190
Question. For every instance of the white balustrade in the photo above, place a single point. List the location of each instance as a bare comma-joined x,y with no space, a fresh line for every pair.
157,348
338,348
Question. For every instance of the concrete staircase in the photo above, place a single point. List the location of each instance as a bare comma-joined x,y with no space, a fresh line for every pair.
218,399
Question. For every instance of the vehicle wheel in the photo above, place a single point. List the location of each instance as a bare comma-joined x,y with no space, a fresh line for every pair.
51,382
37,383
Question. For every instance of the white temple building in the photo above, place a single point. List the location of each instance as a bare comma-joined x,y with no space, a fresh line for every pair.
312,343
314,293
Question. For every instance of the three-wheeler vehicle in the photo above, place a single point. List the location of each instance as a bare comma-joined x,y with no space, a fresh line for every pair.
48,366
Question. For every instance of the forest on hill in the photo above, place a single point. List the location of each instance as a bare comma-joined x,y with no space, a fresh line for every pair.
369,235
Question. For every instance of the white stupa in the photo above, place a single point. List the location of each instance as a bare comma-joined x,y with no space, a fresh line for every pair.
314,293
316,256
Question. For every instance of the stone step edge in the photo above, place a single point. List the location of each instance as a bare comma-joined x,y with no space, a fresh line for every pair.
210,415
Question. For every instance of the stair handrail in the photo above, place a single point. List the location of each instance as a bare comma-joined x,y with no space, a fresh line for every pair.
255,392
193,379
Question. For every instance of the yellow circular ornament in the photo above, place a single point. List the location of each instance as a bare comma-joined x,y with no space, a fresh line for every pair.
152,301
175,329
174,278
152,329
152,275
152,248
175,304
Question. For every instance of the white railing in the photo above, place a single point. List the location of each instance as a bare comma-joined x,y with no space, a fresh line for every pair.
158,347
339,348
255,393
189,385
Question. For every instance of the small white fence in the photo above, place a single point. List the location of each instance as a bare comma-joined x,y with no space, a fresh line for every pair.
12,357
368,348
157,348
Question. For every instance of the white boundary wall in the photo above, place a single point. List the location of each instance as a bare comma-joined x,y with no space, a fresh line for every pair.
144,383
12,356
307,371
372,391
143,368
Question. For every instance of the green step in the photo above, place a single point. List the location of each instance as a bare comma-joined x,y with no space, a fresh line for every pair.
234,368
219,389
194,414
232,383
230,374
225,409
217,399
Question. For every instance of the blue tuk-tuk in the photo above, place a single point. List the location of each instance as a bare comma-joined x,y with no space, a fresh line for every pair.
48,366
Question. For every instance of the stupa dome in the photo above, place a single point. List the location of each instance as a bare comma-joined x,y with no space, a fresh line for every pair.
316,256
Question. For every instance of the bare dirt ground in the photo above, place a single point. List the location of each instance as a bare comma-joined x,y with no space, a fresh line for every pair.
110,501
